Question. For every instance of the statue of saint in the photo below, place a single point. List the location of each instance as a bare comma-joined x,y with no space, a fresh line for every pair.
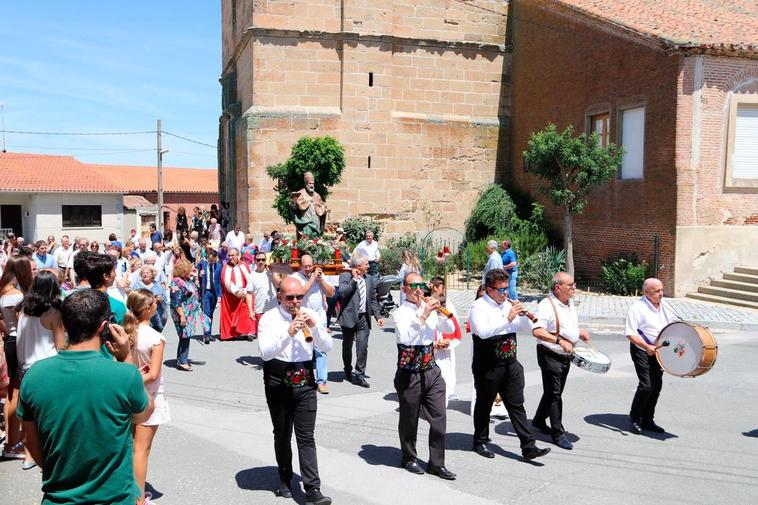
308,209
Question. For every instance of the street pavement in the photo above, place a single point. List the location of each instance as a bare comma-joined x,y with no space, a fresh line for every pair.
218,449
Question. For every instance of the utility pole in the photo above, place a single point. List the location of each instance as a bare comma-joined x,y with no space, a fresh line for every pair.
160,152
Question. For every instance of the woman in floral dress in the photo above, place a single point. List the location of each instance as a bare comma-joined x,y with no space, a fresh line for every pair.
186,312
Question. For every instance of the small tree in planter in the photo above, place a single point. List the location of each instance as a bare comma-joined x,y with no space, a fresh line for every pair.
323,156
572,167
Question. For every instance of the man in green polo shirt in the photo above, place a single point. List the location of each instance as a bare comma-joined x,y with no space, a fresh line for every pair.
78,408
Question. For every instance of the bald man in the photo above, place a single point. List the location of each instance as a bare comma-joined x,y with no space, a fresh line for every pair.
644,322
286,338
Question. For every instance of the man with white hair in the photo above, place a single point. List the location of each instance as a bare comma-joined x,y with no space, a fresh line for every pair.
494,261
644,322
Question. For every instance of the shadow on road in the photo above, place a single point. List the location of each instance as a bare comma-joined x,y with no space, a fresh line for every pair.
464,442
253,361
752,434
391,397
381,455
266,478
620,424
336,377
462,406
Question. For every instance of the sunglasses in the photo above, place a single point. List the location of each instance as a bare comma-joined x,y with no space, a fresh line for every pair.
499,290
260,259
290,298
417,285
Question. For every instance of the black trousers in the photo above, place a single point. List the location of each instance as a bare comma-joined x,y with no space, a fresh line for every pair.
416,391
555,370
650,375
508,380
294,407
359,334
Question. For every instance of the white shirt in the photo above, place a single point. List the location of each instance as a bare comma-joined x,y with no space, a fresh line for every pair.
266,245
264,291
568,320
235,240
489,319
644,318
314,298
34,342
147,340
62,255
408,329
494,261
70,263
371,251
275,342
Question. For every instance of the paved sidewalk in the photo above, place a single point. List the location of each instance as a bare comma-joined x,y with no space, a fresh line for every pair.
613,309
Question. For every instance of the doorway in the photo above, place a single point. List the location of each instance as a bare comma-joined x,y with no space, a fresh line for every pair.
10,218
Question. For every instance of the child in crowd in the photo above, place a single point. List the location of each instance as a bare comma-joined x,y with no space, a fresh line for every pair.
148,357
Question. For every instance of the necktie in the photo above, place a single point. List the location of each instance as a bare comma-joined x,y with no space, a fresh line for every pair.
361,294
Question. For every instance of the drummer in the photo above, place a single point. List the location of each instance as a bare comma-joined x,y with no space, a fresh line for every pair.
645,320
557,329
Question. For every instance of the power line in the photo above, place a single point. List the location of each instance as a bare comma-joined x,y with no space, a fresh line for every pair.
76,148
189,140
19,132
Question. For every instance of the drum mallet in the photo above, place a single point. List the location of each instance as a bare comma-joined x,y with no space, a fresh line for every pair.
665,343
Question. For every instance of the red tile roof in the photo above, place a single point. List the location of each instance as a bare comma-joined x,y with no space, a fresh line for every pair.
134,201
44,173
47,173
140,179
723,26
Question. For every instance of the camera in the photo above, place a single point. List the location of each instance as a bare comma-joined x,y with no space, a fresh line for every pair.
107,335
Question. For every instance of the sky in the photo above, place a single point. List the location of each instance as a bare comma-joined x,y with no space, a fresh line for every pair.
104,66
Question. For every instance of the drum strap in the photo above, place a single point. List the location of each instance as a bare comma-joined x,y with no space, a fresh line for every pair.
557,320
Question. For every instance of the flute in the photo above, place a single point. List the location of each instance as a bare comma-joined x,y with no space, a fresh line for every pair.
306,331
525,312
442,310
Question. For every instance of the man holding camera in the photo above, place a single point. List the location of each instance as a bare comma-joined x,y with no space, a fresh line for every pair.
96,466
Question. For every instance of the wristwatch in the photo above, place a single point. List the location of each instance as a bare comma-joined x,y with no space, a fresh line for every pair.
558,339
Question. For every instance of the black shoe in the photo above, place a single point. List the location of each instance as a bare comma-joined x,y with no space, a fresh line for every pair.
651,426
440,471
541,426
636,427
481,449
250,338
360,381
314,497
284,490
348,375
563,442
534,452
206,340
413,467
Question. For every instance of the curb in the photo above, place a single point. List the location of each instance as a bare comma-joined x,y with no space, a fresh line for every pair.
717,325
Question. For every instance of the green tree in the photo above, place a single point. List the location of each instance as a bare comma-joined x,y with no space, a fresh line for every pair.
572,167
323,156
491,215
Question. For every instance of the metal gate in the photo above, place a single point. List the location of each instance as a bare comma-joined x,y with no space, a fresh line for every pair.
443,253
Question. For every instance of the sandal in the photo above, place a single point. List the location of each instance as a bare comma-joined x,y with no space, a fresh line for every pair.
183,367
15,452
28,465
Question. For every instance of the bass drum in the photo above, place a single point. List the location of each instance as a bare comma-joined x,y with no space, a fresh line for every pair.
686,349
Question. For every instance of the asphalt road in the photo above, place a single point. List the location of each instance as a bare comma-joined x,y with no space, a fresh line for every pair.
218,449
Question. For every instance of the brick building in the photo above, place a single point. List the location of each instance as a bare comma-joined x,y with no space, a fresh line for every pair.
416,90
676,83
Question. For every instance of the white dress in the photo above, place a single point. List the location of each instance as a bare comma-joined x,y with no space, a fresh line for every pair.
147,339
34,342
445,358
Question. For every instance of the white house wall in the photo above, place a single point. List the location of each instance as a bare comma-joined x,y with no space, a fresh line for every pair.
45,215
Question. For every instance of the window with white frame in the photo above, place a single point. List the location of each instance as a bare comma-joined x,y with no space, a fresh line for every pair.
633,140
745,154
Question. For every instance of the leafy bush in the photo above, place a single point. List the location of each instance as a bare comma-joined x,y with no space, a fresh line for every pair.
323,156
491,215
538,269
624,274
407,241
528,236
391,261
356,227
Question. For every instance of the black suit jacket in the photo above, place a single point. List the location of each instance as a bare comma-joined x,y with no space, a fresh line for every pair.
350,300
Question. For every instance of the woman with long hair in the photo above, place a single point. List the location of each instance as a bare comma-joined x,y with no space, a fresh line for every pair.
186,312
410,264
445,344
181,221
40,329
14,283
148,357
